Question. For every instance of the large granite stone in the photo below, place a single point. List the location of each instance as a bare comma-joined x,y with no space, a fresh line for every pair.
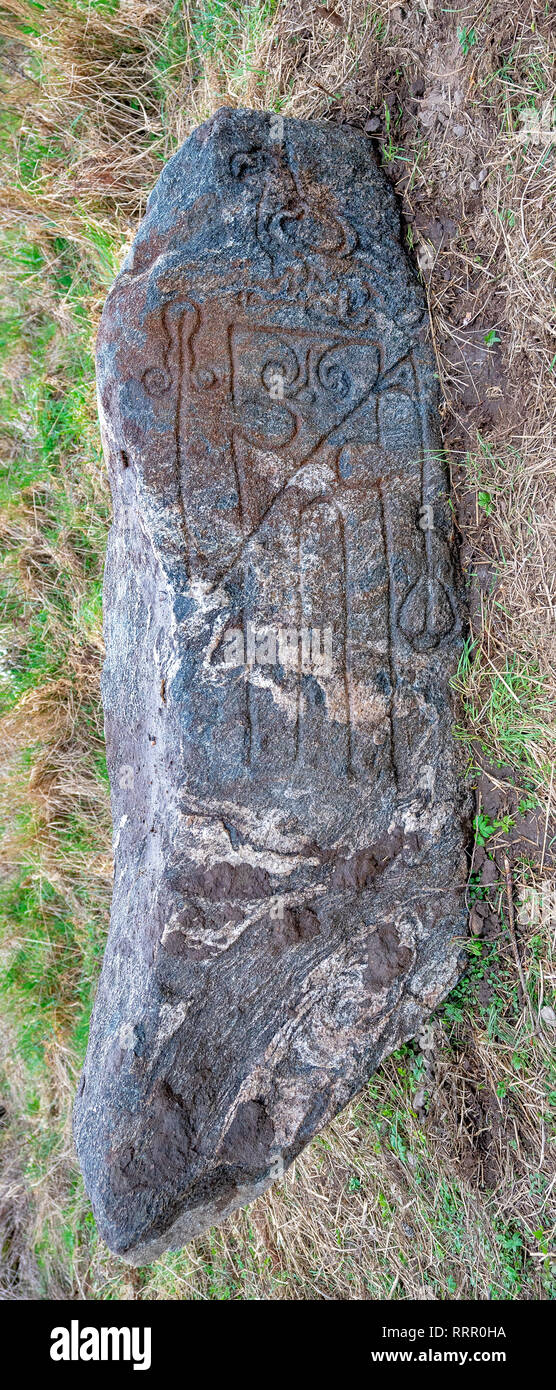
282,619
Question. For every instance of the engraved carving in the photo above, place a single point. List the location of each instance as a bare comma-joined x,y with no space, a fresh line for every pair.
288,875
290,401
426,614
156,381
298,219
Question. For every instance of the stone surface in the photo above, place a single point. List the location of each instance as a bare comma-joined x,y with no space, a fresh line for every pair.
282,619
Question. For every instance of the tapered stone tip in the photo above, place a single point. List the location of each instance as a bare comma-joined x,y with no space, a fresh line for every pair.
282,618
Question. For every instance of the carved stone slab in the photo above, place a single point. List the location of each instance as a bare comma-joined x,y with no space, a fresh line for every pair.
282,620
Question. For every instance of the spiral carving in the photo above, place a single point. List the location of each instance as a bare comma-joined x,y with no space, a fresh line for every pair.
156,381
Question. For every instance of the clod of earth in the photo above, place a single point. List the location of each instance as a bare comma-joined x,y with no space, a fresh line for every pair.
283,615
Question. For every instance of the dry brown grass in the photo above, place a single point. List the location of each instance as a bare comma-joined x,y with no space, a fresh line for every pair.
439,1181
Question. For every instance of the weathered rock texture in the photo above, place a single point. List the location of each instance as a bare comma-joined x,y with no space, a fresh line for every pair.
288,825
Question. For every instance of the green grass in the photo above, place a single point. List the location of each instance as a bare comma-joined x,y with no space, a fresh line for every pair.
388,1202
55,510
507,712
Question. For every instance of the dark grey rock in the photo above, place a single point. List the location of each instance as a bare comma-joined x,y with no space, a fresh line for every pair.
288,817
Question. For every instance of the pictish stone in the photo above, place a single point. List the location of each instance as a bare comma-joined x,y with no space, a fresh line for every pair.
282,618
